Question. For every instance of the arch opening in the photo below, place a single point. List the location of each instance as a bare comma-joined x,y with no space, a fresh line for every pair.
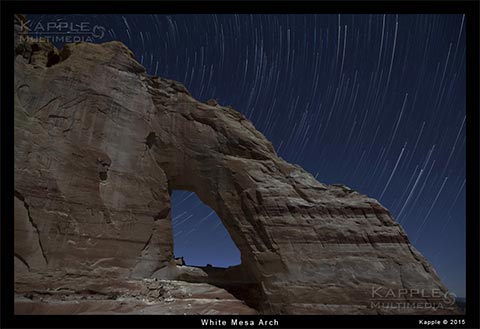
199,235
201,240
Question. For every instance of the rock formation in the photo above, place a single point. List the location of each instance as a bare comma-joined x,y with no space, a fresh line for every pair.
99,145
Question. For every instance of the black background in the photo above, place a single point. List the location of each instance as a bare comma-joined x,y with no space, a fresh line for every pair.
471,9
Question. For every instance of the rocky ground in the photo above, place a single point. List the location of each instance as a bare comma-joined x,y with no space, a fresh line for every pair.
82,293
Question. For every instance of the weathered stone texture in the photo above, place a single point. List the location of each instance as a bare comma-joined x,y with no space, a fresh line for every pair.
99,145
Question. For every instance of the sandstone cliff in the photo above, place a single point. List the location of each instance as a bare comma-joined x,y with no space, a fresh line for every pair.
99,145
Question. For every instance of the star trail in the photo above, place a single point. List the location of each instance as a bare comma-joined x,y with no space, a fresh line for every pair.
375,102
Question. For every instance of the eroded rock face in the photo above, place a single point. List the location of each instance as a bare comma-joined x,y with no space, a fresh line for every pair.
98,146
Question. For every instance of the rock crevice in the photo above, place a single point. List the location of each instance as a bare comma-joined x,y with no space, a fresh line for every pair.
19,196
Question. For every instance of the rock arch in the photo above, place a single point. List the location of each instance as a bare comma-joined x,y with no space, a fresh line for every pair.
97,190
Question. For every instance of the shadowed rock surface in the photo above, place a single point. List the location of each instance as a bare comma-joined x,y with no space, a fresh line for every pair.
99,145
90,293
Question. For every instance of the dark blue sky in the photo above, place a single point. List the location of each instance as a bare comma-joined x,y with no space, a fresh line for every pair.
375,102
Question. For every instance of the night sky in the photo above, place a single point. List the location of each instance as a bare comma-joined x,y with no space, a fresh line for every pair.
375,102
